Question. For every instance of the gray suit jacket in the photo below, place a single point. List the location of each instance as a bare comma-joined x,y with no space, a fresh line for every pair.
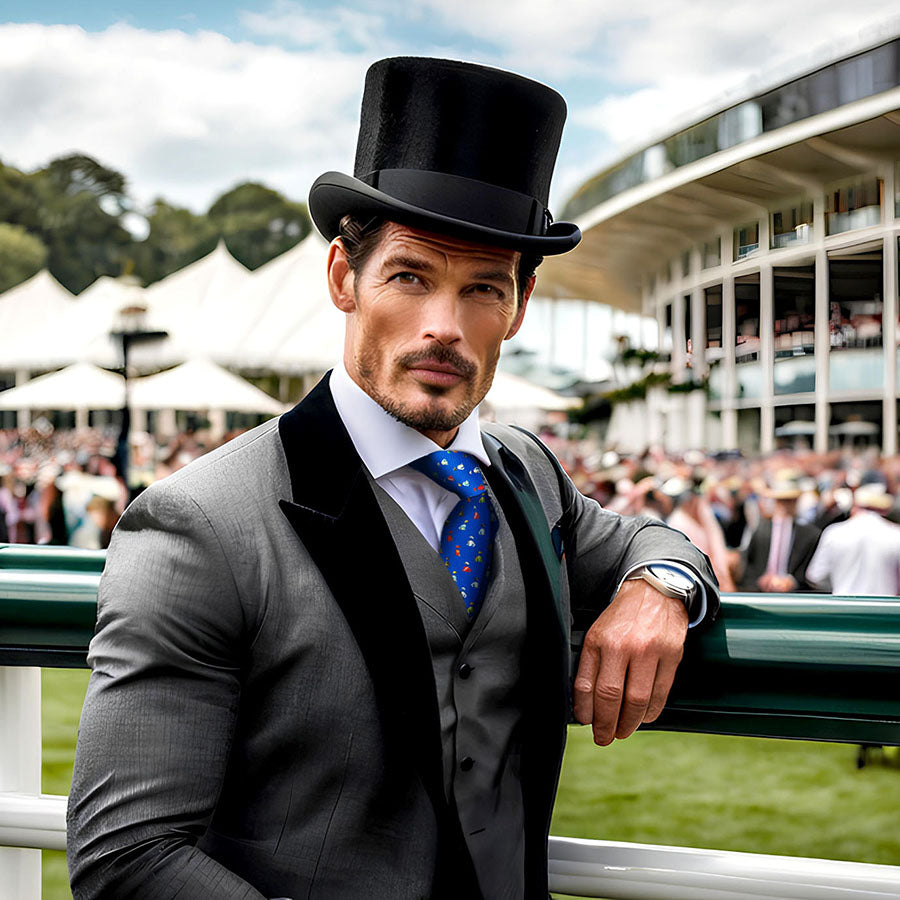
262,719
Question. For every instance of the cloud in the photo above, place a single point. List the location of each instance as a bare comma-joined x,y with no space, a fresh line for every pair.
670,59
182,115
340,28
651,61
187,115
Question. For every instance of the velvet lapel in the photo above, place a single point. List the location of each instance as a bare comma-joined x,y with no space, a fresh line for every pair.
545,675
335,514
515,490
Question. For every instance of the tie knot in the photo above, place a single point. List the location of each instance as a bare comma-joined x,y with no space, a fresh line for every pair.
453,470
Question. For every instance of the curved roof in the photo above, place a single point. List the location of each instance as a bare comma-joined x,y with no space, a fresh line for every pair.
841,121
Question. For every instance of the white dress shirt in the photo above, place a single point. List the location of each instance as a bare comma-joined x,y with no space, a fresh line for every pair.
387,447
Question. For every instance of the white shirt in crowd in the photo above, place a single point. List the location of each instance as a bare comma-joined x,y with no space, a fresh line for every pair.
859,556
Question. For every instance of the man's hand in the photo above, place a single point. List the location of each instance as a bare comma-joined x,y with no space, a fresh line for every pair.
777,584
629,660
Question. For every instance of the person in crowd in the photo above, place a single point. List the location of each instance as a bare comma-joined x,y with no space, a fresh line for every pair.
332,657
861,555
693,517
781,547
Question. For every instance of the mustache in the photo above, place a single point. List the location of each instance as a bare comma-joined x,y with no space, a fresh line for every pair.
441,354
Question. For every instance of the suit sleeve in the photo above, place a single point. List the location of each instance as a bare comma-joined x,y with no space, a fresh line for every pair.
160,710
603,546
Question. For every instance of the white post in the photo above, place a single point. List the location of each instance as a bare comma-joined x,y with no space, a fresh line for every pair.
767,357
165,423
729,339
20,771
889,321
216,423
822,351
23,416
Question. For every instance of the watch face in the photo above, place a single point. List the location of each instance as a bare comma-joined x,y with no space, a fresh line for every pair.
673,577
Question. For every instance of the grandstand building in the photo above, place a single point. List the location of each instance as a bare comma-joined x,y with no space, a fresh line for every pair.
764,241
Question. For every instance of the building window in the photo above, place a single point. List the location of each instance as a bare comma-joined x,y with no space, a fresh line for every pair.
665,349
794,306
714,322
748,428
687,327
791,225
855,425
854,205
685,263
855,283
897,190
795,426
746,239
712,254
746,350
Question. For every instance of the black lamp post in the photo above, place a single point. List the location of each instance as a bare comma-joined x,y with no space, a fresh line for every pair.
131,329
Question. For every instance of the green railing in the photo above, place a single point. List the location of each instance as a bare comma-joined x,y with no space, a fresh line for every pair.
804,666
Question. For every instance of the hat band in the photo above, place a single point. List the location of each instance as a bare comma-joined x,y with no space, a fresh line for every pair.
466,199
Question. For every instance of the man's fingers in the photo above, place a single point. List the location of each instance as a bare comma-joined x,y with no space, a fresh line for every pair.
607,697
665,676
639,693
585,680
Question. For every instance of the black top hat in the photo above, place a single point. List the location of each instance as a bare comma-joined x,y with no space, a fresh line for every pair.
452,147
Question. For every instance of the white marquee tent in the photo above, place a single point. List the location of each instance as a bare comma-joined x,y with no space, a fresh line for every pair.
277,319
77,387
201,385
276,307
28,314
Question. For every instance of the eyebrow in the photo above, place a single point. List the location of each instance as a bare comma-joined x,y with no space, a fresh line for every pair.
417,264
500,275
400,261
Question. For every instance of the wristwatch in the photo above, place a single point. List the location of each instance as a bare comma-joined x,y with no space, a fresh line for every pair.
668,580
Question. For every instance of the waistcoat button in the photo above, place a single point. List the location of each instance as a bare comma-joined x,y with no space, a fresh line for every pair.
466,763
465,670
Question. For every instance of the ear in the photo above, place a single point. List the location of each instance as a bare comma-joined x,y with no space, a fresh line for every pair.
340,278
520,312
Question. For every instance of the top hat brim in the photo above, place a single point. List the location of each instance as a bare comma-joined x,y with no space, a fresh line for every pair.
335,195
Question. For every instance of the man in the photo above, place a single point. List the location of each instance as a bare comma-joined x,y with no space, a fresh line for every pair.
333,660
780,549
862,555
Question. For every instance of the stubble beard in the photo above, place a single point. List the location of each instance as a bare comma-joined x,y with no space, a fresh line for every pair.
432,416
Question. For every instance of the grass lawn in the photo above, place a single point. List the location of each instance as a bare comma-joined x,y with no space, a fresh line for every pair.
785,797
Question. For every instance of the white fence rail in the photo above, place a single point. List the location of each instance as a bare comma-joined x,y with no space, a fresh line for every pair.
621,871
618,871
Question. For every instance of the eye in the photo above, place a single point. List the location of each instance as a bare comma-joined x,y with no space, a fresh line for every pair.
406,278
487,291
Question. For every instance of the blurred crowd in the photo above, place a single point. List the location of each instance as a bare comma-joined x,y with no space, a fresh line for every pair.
789,521
69,488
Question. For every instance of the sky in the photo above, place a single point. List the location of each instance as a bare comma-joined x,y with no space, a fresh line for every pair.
188,99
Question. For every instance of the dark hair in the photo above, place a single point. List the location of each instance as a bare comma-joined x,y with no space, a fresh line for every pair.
361,238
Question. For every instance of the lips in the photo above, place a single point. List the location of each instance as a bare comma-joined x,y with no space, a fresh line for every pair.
433,371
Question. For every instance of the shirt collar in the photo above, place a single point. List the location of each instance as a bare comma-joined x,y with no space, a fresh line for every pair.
383,443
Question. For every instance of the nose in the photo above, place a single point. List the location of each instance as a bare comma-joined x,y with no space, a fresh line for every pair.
440,318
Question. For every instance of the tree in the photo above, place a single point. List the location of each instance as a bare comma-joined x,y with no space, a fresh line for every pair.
176,238
81,204
21,255
74,207
258,223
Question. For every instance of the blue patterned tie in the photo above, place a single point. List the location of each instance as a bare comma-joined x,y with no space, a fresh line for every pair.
467,540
